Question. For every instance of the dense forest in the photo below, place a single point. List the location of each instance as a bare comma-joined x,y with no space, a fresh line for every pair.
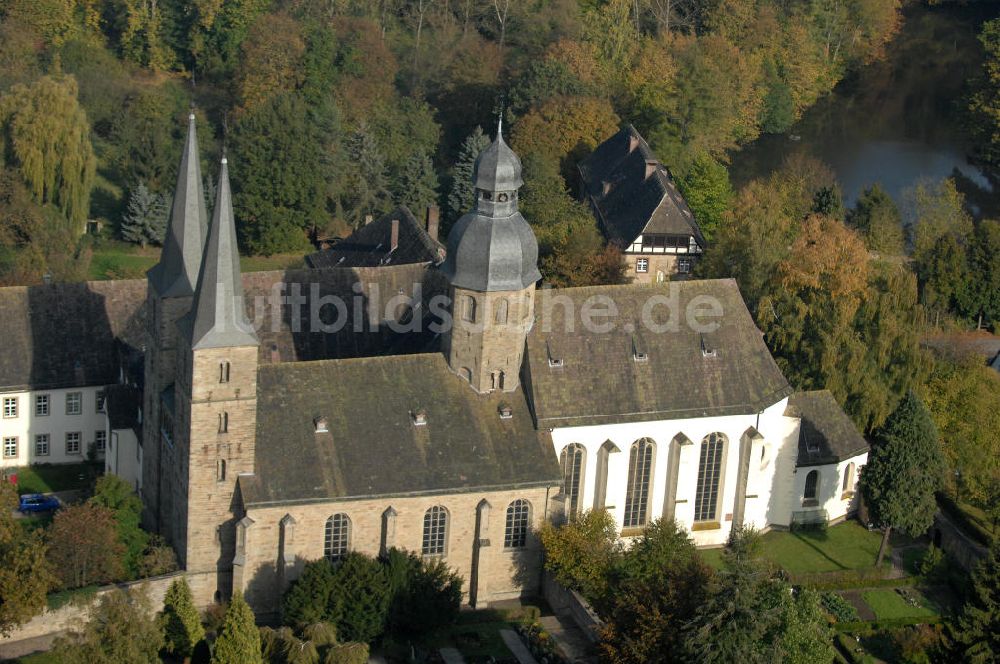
332,110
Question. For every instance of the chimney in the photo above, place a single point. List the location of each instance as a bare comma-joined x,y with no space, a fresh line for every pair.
433,219
394,235
321,424
651,167
368,219
633,142
275,354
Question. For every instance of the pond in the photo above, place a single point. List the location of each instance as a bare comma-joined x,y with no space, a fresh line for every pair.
898,120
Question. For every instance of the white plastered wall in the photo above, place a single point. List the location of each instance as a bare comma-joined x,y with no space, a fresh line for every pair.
56,424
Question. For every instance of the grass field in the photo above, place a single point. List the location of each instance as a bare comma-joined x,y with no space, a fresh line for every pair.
120,260
889,604
846,546
44,478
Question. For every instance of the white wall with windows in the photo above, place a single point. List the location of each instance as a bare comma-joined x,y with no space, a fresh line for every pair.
830,489
124,456
51,426
640,466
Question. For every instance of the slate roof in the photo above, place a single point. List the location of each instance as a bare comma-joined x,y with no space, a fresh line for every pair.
634,204
369,246
826,434
373,448
67,335
218,317
685,373
497,167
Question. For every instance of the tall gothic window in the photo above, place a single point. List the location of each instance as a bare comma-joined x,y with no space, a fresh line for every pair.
571,460
224,372
337,539
435,531
515,533
640,468
849,477
706,500
812,485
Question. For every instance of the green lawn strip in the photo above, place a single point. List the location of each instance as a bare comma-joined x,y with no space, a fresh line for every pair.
472,639
890,604
846,546
48,477
712,558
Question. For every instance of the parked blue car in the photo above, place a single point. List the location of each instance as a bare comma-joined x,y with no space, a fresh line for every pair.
36,502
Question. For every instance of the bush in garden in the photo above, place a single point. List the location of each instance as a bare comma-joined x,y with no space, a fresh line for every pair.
838,607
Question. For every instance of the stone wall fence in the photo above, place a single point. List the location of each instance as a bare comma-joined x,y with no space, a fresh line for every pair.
566,602
73,614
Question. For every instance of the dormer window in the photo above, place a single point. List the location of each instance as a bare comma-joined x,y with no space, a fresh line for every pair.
554,360
506,412
707,350
419,417
320,424
639,356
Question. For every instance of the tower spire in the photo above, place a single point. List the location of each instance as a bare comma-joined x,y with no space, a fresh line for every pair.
218,318
177,272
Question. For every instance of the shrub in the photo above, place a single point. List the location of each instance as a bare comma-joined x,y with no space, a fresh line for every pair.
838,607
307,600
932,562
579,554
430,599
359,600
347,653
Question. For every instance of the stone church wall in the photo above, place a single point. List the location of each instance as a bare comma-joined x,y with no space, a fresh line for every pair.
502,573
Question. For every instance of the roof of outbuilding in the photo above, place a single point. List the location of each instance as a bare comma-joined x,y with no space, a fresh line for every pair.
66,335
373,447
580,377
370,245
826,434
634,203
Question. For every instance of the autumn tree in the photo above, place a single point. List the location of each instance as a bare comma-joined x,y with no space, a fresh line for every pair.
83,546
47,134
905,467
115,494
271,59
180,620
580,554
655,587
706,188
963,397
565,129
121,628
239,640
24,577
876,216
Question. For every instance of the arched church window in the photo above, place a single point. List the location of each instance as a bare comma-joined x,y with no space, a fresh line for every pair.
435,531
572,460
849,477
220,470
640,468
501,315
812,486
500,379
515,533
706,499
469,308
337,538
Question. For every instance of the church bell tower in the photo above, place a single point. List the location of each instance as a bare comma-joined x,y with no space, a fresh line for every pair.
492,265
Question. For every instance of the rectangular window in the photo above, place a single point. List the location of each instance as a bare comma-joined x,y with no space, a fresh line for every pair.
101,440
41,444
642,265
224,372
10,407
684,266
100,402
41,405
10,447
74,403
73,442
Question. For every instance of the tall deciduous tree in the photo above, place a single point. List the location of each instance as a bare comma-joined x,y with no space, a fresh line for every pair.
905,467
24,577
271,62
46,131
580,554
84,547
180,620
239,641
876,216
706,188
117,495
462,194
121,629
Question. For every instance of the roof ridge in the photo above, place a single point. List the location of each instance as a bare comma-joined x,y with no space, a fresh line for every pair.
372,359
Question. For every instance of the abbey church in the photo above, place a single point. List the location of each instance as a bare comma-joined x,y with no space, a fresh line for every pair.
287,416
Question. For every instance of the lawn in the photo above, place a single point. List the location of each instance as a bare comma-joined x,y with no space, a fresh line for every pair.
48,477
120,260
890,604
